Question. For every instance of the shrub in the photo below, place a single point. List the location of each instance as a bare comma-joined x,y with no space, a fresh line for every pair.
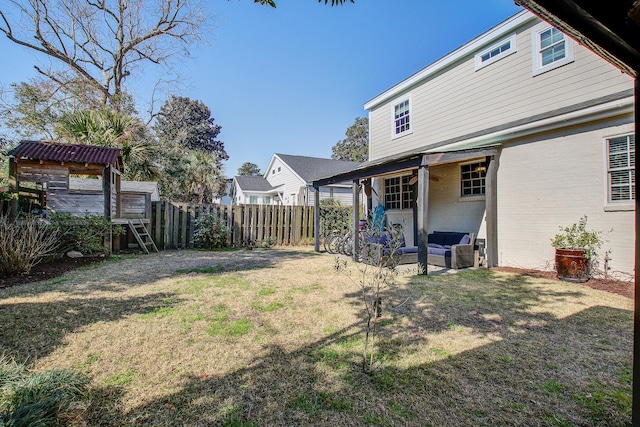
85,234
38,398
211,231
24,242
333,216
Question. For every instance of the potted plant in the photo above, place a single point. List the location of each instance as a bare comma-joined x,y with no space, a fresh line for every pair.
575,251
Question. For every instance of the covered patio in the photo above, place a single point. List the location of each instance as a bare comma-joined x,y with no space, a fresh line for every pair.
420,163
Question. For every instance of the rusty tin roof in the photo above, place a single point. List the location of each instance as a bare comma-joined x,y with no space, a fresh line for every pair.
76,153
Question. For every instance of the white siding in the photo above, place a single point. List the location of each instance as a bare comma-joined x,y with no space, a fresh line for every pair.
459,100
286,181
552,181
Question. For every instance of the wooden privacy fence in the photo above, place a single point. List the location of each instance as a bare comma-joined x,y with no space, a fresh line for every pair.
173,224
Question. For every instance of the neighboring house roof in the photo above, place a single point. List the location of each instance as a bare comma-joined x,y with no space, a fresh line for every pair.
253,183
76,153
313,168
92,184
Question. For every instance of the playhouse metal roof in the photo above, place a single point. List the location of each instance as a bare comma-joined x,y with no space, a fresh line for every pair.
76,153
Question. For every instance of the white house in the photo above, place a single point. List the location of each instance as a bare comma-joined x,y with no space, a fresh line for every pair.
254,190
225,198
288,181
517,132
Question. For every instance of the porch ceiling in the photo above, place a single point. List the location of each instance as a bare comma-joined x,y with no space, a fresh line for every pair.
406,161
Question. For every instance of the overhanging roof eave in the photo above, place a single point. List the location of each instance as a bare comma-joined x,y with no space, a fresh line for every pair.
407,161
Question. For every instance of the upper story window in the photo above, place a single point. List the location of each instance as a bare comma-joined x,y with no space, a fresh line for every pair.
472,179
496,52
621,168
551,49
402,118
279,169
397,193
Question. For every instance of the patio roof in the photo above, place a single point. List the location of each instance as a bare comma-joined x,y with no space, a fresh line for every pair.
405,161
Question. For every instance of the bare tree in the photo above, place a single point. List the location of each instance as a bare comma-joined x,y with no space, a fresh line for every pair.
100,43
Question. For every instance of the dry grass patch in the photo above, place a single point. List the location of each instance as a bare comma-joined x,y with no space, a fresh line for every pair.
274,337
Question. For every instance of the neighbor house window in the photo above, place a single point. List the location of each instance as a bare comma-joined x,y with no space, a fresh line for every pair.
253,200
551,49
472,179
402,118
621,168
397,193
495,52
266,200
279,169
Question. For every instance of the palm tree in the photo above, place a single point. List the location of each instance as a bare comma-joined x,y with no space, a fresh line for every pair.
204,174
109,128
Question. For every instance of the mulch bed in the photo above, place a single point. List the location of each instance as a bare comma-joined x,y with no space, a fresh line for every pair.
49,270
619,287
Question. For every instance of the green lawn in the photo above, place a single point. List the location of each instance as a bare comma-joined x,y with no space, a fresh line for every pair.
274,337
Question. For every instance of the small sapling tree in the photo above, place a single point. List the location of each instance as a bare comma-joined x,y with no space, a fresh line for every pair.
375,274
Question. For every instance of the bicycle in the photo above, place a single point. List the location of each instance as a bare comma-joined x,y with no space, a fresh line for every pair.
332,241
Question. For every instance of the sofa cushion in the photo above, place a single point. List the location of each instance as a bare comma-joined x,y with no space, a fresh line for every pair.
437,238
402,250
383,239
408,250
445,252
451,237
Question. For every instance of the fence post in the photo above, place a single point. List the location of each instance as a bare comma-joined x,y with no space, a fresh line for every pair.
191,210
254,225
237,225
157,211
287,226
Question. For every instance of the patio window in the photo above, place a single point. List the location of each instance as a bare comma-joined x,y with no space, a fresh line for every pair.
402,118
397,193
551,49
621,168
496,52
472,179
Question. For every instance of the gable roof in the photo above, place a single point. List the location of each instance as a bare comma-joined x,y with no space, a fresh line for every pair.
73,153
253,183
313,168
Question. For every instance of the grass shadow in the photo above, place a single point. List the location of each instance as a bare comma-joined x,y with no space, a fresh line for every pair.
545,376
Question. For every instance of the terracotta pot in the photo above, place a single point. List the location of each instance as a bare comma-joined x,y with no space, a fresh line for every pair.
571,265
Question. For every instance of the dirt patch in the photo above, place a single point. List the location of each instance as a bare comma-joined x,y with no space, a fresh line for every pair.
49,270
620,287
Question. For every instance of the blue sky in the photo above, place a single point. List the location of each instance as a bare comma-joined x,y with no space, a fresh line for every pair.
293,79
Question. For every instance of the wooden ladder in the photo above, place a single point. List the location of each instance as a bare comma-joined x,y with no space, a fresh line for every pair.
142,235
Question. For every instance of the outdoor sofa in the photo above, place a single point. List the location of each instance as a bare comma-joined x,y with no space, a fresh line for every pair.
448,249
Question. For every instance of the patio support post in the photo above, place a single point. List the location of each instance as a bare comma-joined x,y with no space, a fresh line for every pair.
423,214
316,218
491,209
356,219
